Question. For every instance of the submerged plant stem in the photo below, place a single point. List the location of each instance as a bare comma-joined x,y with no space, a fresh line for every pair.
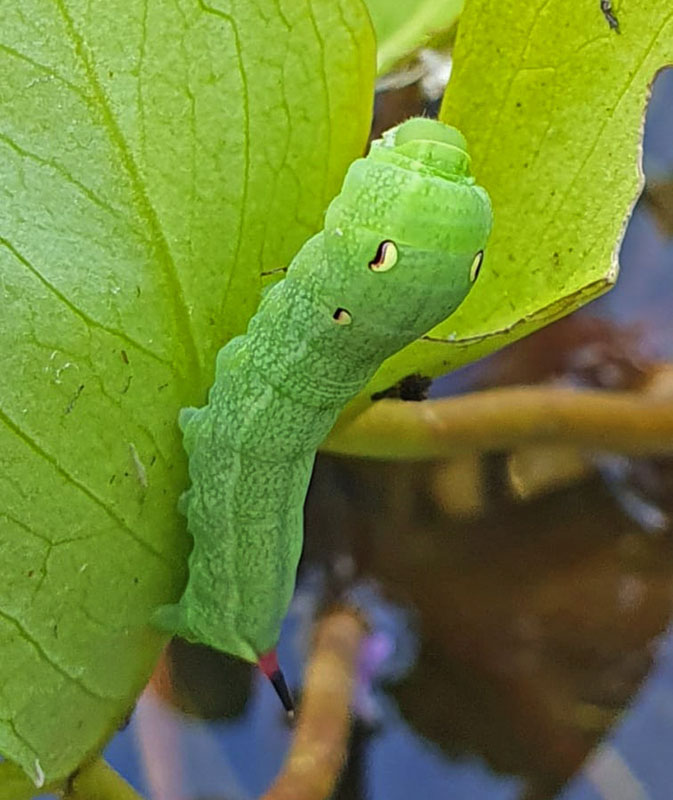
319,748
636,423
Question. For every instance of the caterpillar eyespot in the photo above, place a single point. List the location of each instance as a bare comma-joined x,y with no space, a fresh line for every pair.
342,317
385,258
251,448
476,266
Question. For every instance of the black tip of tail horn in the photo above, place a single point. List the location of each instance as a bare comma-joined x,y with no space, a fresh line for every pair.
268,663
280,685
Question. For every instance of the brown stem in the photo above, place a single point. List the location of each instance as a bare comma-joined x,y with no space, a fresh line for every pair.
319,748
637,423
98,781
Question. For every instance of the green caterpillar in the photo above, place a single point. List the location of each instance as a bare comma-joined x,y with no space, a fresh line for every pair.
402,245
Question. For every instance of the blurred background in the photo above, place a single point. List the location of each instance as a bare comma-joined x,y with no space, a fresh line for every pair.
518,604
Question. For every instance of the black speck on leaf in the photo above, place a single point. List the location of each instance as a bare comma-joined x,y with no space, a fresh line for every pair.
608,13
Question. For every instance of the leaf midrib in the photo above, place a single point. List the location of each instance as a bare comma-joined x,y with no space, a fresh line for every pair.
189,366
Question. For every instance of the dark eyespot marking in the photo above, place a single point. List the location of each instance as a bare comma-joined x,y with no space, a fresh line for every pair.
385,258
342,317
476,266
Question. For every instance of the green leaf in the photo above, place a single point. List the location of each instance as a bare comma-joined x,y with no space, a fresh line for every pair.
401,28
552,101
155,158
14,784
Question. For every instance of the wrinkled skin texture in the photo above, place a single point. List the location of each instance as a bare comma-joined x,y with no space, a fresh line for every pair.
279,388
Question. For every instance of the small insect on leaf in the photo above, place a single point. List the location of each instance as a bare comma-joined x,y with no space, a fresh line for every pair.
608,13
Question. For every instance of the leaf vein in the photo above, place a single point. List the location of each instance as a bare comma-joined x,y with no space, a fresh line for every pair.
31,640
89,193
73,481
48,71
323,74
182,317
246,118
90,322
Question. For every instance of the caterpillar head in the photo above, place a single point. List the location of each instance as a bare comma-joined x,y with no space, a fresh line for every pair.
410,224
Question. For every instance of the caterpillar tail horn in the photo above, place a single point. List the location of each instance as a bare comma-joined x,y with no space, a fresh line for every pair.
268,663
